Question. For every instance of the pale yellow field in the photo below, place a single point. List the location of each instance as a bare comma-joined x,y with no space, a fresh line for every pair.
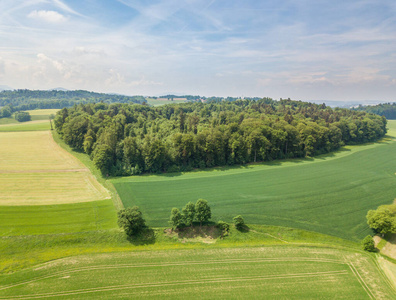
42,112
34,170
33,151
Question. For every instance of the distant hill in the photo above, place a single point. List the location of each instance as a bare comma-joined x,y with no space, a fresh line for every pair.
32,99
388,110
5,87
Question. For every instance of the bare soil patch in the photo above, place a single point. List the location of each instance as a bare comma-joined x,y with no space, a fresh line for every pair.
204,234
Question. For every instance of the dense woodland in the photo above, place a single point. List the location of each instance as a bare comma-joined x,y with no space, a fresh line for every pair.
388,110
125,139
19,100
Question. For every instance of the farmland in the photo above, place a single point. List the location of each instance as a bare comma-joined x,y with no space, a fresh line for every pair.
284,272
330,194
59,236
45,189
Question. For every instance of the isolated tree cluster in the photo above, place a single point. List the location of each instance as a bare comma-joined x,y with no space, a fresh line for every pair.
125,139
131,220
383,219
200,212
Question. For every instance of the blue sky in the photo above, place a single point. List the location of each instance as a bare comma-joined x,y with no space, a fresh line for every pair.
308,50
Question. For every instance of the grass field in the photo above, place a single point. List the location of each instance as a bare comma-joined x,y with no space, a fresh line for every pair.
44,189
329,194
34,170
40,121
235,273
163,101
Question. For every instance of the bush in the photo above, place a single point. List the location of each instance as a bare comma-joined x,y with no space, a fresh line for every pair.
224,228
368,244
22,116
239,222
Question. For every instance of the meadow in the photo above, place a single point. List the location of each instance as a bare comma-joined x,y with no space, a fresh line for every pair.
163,101
330,194
231,273
45,189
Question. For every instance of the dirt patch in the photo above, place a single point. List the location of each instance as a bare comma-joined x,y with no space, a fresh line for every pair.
204,234
390,248
377,240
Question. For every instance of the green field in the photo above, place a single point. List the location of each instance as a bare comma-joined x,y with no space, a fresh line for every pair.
234,273
329,194
40,121
163,101
46,190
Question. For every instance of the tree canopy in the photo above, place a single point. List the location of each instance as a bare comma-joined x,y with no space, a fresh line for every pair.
131,220
125,139
382,220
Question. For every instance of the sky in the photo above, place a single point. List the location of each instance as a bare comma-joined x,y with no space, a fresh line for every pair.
301,49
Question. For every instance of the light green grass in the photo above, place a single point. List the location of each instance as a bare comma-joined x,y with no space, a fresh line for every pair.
330,194
19,252
40,121
39,125
163,101
60,218
234,273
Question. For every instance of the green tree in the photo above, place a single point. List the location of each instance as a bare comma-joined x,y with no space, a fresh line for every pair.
239,222
176,218
188,213
368,244
202,211
131,220
223,227
381,220
22,116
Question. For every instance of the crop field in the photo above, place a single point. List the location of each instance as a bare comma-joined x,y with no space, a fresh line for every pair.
40,121
163,101
46,190
329,194
235,273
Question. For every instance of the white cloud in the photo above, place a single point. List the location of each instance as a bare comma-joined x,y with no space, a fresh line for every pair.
49,16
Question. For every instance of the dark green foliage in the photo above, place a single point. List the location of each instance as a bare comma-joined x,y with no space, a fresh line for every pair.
223,227
368,244
176,218
188,213
22,116
196,135
381,220
131,220
29,99
239,222
388,110
202,211
5,112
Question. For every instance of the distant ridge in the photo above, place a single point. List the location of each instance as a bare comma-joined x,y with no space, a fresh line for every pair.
5,88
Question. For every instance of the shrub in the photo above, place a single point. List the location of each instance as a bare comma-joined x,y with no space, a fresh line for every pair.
224,228
368,244
239,222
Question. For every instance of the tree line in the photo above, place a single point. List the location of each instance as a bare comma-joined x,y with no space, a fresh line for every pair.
124,139
388,110
23,99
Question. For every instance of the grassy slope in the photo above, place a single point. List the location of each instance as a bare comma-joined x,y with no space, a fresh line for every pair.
233,273
329,194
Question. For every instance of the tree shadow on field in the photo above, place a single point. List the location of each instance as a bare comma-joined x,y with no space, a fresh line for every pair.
244,229
146,237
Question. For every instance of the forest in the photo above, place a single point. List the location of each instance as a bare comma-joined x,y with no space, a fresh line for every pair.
19,100
388,110
125,139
